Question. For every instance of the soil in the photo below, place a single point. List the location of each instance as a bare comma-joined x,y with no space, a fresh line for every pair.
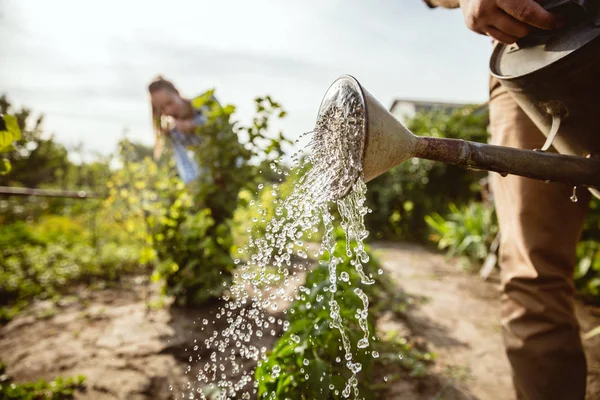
458,315
129,346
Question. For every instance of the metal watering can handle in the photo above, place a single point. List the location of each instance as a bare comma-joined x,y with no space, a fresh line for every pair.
574,170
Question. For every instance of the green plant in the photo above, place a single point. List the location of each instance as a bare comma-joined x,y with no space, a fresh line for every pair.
9,132
187,230
57,389
466,231
44,260
587,270
307,361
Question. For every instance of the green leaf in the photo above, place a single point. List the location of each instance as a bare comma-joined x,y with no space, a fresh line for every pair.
319,377
9,131
4,166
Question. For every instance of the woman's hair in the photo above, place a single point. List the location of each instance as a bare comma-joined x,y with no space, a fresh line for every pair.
159,83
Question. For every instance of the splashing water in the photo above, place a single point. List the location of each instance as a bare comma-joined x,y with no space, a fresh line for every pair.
332,179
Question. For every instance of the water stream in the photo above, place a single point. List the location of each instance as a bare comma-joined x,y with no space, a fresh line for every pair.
330,186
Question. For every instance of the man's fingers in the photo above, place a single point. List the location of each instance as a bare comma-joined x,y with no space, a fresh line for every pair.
500,36
529,12
509,25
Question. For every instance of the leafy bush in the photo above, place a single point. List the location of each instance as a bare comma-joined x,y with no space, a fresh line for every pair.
467,231
58,389
44,260
587,271
9,132
306,362
402,197
188,229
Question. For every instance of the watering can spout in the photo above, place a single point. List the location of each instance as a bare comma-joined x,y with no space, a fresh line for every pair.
379,142
388,141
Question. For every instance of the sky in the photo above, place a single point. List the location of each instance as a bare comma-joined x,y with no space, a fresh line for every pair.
86,65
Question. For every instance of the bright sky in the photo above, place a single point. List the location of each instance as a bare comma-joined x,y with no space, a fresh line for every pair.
85,65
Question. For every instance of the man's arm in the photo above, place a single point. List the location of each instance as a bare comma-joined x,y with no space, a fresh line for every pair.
442,3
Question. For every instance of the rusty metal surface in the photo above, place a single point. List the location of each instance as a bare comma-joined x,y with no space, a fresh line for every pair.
577,171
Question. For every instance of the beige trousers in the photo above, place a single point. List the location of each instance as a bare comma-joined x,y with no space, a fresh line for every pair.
539,227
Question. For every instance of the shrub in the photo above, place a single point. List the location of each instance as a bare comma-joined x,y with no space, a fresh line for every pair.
467,231
306,362
44,260
188,229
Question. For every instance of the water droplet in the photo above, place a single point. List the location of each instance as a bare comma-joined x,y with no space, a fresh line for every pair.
574,198
344,276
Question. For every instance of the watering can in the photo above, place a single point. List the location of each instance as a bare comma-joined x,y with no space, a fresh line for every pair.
553,76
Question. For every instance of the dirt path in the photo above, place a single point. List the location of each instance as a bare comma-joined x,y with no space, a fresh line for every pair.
126,347
458,318
129,350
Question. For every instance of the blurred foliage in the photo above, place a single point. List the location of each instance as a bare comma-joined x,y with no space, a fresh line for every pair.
587,271
38,160
46,259
9,133
57,389
187,230
48,245
467,231
148,219
307,362
402,197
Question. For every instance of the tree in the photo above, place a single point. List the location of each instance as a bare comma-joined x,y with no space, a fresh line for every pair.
35,160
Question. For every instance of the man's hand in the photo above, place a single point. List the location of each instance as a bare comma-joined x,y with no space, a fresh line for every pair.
185,125
507,20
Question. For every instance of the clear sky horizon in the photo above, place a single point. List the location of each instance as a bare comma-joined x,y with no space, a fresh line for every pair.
86,65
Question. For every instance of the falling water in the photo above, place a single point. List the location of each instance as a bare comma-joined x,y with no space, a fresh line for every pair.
573,197
332,181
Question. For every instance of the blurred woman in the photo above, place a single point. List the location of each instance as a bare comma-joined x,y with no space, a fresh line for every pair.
176,120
